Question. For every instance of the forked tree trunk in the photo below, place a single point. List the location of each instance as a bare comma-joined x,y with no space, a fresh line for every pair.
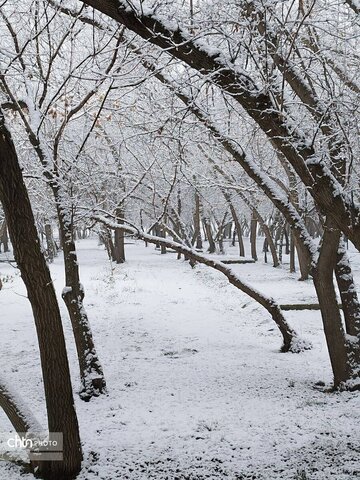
91,372
207,227
332,322
238,230
41,294
268,237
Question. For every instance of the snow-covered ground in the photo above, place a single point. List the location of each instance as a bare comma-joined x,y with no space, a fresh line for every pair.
197,386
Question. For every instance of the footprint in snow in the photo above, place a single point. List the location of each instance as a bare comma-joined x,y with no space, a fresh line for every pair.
185,352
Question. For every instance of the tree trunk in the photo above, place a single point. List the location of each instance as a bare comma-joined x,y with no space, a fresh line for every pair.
91,373
324,285
304,263
50,244
253,231
119,245
238,230
348,292
292,252
197,223
4,237
41,294
207,226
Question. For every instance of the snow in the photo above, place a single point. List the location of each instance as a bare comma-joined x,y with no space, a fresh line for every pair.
197,386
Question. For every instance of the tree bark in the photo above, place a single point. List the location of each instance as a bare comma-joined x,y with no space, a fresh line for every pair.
253,231
50,244
197,223
348,292
91,372
207,226
324,285
41,294
119,244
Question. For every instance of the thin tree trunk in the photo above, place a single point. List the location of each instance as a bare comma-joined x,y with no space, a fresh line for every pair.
41,294
238,230
292,252
91,373
207,226
268,237
119,245
197,223
253,230
50,244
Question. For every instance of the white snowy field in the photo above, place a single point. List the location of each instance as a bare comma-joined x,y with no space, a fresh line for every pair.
197,386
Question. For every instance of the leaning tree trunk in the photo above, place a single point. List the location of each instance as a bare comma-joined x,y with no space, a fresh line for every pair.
36,276
91,372
291,342
304,264
253,229
207,227
238,230
324,285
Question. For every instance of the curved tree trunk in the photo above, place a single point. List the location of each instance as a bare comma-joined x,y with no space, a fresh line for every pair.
91,373
291,341
207,227
334,332
238,229
41,294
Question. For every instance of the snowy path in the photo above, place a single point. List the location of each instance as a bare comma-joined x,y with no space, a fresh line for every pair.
197,387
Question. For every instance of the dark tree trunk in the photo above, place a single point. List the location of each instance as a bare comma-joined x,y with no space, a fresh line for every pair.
292,252
119,244
207,227
91,373
238,230
41,294
304,263
253,231
268,237
333,328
